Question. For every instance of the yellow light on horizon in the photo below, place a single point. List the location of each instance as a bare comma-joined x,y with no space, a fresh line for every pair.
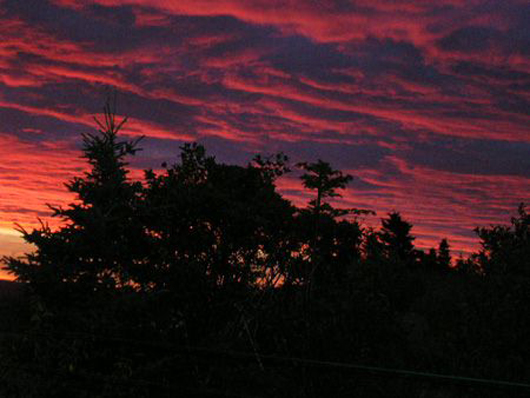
10,232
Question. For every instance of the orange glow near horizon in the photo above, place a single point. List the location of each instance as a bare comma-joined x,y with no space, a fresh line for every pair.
425,104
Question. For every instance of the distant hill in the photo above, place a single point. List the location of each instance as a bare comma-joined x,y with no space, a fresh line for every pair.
11,290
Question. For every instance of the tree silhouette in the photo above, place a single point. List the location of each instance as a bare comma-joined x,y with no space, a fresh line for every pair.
96,246
322,178
273,166
506,249
188,277
225,221
396,237
334,245
444,255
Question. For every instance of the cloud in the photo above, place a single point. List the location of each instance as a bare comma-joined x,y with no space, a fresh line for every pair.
477,157
400,94
31,175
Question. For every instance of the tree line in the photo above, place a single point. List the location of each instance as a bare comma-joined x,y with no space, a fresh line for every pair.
209,255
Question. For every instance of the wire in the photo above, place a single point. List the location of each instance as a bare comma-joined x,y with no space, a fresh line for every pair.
471,381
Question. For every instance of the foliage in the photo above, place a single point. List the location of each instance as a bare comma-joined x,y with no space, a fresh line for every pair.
506,249
396,238
149,287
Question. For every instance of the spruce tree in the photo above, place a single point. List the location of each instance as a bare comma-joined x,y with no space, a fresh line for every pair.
395,235
444,255
99,242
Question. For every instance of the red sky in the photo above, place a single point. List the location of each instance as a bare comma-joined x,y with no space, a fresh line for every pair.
426,103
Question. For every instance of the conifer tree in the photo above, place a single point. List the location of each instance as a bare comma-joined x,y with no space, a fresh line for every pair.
395,235
444,255
334,244
99,242
322,178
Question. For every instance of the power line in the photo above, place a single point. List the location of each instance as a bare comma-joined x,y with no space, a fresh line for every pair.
277,359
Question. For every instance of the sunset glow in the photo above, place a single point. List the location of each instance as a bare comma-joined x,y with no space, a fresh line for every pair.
426,104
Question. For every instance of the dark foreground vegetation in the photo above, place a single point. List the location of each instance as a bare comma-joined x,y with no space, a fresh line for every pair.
202,280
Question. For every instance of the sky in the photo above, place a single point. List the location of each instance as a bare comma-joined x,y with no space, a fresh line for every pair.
426,103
